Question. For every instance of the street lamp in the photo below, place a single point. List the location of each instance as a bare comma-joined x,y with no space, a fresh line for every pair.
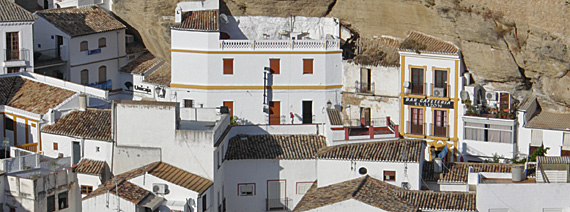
6,143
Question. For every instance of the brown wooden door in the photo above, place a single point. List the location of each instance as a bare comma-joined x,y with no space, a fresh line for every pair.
12,46
365,116
230,106
274,112
440,123
417,121
504,101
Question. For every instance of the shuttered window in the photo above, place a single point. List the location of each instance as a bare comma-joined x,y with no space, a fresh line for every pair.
83,46
274,65
536,138
307,66
228,66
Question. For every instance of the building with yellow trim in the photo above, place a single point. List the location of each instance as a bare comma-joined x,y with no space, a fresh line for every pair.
266,70
429,100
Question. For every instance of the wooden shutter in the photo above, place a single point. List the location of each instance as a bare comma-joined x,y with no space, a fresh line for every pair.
274,65
230,106
228,66
307,66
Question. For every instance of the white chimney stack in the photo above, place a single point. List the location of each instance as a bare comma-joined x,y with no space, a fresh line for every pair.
82,102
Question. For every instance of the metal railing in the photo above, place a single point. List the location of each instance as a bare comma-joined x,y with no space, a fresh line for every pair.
364,87
376,122
439,131
16,54
277,204
280,44
415,129
418,89
439,90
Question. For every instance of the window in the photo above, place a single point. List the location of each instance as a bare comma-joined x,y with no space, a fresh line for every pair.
83,46
365,84
307,66
246,189
303,187
440,123
416,123
13,69
12,46
102,73
102,42
204,203
97,149
62,200
417,85
55,146
440,84
389,175
274,65
51,203
8,123
84,76
362,171
188,103
86,189
228,66
365,116
536,138
488,132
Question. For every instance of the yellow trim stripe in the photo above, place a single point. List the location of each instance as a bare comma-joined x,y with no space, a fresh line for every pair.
402,108
256,52
455,107
275,87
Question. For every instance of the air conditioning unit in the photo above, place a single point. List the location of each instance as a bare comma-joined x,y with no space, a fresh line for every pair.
129,38
160,188
438,92
491,96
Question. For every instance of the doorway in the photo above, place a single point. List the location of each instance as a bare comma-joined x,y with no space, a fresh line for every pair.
307,112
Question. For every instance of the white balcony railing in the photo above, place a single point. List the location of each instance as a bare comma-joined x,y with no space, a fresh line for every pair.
281,44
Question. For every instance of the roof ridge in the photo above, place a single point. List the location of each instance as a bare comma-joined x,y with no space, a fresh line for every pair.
360,185
431,36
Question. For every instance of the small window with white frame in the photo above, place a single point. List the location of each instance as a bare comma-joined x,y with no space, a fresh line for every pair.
246,189
303,187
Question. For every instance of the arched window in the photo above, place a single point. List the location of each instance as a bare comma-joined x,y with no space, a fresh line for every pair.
102,42
83,46
102,73
84,76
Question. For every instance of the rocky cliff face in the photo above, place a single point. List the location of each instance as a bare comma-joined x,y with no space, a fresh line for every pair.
519,46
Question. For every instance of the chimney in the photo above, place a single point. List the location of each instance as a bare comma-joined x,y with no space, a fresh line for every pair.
51,116
82,102
178,15
517,172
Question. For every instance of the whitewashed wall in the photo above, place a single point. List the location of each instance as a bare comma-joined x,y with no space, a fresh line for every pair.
107,202
88,180
336,171
254,27
259,172
177,197
523,196
88,147
26,39
347,205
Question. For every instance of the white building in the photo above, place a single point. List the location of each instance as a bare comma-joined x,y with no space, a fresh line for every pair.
32,182
156,187
91,174
147,131
85,45
454,176
33,100
540,127
265,69
372,91
430,83
16,38
150,77
370,194
397,162
266,172
54,4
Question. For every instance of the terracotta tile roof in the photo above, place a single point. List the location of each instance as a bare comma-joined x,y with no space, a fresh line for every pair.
81,21
458,172
365,189
386,196
405,150
550,120
334,116
417,41
440,201
180,177
126,190
160,75
142,64
527,102
553,160
30,95
91,123
274,147
205,20
389,42
161,170
88,166
11,12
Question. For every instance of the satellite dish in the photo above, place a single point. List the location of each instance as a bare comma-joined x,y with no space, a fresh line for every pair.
224,18
406,84
464,95
190,202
